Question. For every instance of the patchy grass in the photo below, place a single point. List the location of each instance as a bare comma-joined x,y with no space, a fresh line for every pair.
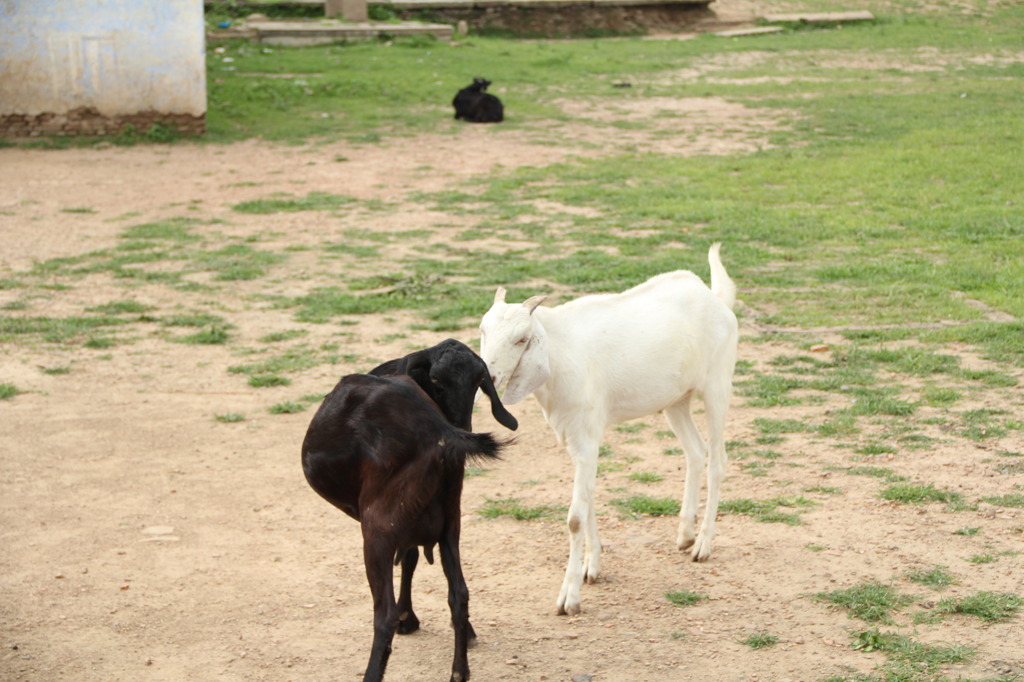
645,477
684,598
513,508
918,494
314,201
645,505
767,511
909,660
870,601
1009,500
268,381
990,607
211,336
937,577
287,407
760,640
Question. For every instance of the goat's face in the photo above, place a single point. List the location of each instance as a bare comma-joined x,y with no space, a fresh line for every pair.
455,377
512,348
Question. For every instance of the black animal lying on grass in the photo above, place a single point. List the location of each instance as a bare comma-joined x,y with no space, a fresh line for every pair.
475,105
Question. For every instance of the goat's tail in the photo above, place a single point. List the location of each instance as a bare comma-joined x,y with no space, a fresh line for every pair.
722,285
460,446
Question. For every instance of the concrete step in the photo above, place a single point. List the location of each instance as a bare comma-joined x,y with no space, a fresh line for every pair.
320,31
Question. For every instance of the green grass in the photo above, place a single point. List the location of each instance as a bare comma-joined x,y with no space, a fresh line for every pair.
268,381
290,360
287,407
870,601
56,329
1009,500
937,577
173,230
883,473
767,511
8,391
235,262
513,508
684,598
760,640
777,426
211,336
909,660
990,607
100,342
194,320
850,196
646,505
121,308
314,201
230,418
918,494
645,477
286,335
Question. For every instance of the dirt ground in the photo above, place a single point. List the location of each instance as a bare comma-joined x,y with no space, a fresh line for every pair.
144,540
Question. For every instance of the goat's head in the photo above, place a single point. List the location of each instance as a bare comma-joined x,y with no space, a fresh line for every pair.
513,345
451,373
480,84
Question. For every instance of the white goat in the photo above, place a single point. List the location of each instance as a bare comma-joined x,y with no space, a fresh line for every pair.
603,359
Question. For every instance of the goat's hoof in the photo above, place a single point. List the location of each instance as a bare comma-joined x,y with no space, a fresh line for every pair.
701,557
570,610
408,625
686,544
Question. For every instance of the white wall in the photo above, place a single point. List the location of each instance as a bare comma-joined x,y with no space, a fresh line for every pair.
117,56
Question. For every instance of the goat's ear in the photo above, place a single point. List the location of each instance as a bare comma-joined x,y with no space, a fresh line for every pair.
503,416
420,361
531,373
531,303
499,295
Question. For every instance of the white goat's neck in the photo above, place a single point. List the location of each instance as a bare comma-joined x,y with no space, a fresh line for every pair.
543,318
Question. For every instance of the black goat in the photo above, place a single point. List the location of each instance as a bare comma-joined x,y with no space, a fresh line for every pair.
450,374
473,104
381,450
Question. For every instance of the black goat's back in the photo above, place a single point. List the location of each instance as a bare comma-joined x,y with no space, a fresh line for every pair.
384,432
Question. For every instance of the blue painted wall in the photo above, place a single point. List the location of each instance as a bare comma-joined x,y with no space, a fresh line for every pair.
118,56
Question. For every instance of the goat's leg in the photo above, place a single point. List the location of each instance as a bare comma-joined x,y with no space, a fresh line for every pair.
378,557
458,601
716,405
681,421
591,545
407,620
584,455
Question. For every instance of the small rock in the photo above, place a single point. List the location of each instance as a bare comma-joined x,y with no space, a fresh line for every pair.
582,677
